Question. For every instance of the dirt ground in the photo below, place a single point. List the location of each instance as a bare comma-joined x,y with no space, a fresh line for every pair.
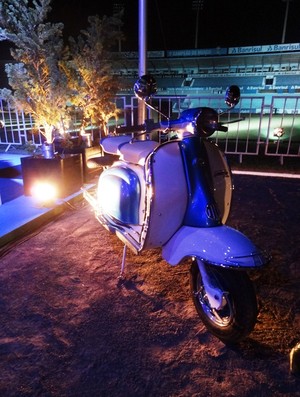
69,329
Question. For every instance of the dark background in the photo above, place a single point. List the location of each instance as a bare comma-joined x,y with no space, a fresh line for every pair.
172,25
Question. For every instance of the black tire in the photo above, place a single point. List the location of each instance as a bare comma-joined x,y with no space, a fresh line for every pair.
236,320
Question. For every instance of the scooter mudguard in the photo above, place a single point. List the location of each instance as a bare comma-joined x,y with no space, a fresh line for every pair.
220,246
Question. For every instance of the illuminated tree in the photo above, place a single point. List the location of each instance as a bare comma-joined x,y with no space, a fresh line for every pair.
48,77
37,78
91,60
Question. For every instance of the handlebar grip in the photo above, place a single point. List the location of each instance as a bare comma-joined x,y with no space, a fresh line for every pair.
222,128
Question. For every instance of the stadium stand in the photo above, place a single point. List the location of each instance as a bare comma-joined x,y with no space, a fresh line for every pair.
273,68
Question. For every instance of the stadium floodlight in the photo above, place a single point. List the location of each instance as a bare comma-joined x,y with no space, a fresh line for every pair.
285,19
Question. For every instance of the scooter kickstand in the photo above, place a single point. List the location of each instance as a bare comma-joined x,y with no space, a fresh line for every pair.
121,276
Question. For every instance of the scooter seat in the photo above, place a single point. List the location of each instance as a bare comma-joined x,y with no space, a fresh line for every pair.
137,151
110,144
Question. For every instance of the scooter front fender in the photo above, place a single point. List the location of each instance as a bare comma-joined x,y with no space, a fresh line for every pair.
220,246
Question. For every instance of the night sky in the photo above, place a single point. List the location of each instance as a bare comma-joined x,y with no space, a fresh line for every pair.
172,24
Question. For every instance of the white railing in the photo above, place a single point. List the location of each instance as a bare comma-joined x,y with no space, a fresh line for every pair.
270,126
15,128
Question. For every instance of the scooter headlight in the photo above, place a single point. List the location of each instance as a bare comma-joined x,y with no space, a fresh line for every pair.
206,122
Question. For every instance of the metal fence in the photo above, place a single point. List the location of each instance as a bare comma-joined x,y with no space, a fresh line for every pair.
269,126
16,128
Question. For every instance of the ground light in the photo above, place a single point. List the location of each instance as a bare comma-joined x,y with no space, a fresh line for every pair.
44,192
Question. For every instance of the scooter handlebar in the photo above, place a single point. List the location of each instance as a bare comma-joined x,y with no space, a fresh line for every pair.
131,129
222,128
203,119
148,126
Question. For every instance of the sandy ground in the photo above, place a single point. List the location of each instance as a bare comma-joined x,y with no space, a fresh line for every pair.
68,329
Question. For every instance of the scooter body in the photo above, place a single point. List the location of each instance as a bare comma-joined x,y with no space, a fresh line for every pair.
176,196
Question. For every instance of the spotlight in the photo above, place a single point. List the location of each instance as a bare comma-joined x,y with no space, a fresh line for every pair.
44,192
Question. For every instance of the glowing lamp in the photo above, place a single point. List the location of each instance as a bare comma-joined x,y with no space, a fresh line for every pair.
41,175
44,191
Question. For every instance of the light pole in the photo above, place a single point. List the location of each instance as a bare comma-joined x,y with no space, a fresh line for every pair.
118,9
285,19
197,5
142,53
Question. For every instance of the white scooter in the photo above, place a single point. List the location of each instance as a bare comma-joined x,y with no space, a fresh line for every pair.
176,195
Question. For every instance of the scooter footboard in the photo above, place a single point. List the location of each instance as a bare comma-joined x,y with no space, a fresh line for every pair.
220,245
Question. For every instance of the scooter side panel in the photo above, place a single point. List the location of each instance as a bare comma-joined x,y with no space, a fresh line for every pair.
221,177
119,194
168,205
220,245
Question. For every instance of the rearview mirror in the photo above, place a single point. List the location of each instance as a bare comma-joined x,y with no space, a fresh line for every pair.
232,96
145,87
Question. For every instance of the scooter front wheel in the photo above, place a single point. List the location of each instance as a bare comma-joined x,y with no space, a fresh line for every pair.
237,317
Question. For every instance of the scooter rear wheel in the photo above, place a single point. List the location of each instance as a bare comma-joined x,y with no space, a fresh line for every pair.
237,318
